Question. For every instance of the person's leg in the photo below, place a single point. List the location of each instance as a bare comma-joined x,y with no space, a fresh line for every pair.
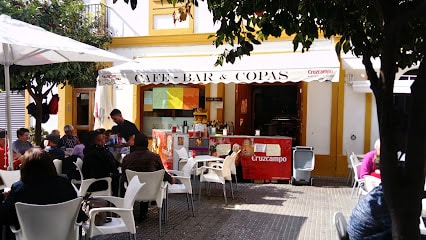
143,210
115,182
121,189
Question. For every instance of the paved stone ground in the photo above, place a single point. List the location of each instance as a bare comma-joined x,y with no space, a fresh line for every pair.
259,211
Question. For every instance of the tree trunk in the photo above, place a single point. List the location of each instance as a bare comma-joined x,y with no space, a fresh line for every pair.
402,182
36,92
39,105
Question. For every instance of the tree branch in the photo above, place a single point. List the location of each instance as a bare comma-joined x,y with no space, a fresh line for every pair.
30,90
47,91
371,73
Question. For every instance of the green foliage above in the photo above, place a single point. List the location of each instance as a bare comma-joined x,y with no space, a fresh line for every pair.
358,23
66,18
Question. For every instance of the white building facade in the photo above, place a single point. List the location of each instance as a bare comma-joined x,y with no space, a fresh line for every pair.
334,117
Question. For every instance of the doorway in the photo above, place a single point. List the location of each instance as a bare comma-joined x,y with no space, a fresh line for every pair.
277,110
83,104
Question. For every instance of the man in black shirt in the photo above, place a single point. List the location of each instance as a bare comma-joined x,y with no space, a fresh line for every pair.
124,128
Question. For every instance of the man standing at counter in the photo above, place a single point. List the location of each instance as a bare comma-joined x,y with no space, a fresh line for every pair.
124,128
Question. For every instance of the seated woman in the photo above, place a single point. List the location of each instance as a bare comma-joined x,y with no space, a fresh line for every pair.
367,165
376,172
39,184
22,144
98,162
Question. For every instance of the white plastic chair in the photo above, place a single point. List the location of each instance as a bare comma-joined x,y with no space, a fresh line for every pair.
341,226
124,222
349,175
58,165
10,177
182,154
154,190
422,226
234,156
78,164
358,182
234,167
85,184
51,221
185,186
218,175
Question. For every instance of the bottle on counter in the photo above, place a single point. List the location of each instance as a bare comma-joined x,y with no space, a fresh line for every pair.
185,127
231,128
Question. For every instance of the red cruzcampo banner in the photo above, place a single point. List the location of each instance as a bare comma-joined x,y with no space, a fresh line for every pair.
162,144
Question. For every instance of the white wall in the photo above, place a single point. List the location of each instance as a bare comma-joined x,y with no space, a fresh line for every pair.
122,99
374,124
354,117
354,120
229,104
127,22
203,19
319,116
213,109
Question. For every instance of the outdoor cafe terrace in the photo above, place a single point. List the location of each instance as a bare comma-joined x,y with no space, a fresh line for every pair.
259,211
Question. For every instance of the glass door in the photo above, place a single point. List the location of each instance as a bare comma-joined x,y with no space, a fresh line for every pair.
83,105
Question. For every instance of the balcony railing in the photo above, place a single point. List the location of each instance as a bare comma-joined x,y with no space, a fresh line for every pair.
98,12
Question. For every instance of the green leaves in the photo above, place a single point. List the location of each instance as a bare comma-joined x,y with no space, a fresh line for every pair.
65,18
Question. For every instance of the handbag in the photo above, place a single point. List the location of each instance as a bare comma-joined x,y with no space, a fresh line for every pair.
89,203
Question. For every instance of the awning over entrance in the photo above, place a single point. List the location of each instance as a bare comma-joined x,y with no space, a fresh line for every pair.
260,68
404,79
400,86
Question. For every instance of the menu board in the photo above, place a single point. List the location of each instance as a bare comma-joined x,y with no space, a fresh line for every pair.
147,101
175,98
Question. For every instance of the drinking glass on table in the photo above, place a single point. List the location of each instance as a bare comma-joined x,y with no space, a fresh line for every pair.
68,151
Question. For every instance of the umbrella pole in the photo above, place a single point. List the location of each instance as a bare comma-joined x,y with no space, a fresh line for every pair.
8,120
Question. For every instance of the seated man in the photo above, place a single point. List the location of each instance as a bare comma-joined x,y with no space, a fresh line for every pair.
68,140
143,160
52,147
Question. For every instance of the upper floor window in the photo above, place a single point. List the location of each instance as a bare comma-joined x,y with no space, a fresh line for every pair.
166,19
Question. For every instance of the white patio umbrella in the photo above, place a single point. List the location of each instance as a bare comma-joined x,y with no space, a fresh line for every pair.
26,44
103,107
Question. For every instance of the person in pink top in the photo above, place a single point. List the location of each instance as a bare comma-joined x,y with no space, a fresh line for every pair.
367,165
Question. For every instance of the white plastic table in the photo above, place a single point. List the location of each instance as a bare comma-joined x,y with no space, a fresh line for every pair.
207,158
